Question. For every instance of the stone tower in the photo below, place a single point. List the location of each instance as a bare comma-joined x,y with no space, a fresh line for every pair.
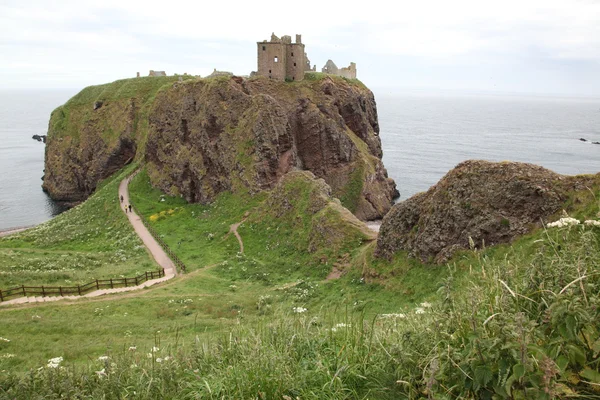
281,59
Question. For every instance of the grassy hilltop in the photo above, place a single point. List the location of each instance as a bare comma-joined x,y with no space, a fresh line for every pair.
518,321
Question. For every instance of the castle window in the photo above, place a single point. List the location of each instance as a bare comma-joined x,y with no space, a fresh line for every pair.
269,71
292,54
294,64
264,48
276,59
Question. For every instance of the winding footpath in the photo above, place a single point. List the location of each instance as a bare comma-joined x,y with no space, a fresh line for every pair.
151,244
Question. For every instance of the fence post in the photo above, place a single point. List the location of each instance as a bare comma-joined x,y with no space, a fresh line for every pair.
111,284
136,282
125,282
146,275
97,285
79,289
60,290
24,295
43,292
1,298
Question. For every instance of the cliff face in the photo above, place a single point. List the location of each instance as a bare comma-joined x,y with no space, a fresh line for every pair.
488,202
204,136
95,134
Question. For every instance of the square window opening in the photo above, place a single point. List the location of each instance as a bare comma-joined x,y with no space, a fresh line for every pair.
264,48
276,59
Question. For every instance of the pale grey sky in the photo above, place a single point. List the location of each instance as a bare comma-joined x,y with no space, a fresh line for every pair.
528,46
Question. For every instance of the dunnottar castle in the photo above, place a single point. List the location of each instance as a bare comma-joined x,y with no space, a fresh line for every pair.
282,60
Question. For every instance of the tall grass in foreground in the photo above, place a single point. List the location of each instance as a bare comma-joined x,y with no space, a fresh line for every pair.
527,328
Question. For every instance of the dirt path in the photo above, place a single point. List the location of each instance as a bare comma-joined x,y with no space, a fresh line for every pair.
14,230
233,229
157,252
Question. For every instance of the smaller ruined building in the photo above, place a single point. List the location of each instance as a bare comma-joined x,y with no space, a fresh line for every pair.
281,59
219,73
346,72
157,73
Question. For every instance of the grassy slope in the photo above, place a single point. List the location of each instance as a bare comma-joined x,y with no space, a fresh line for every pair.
250,341
91,241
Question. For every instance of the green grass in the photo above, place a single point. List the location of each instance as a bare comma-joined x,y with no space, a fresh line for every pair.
94,240
508,321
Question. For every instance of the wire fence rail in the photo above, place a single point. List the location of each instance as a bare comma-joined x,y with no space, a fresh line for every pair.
176,260
79,290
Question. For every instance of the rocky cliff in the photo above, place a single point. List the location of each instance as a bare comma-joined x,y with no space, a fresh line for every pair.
200,137
488,202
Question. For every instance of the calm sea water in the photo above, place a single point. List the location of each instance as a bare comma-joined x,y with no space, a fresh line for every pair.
423,136
426,135
22,115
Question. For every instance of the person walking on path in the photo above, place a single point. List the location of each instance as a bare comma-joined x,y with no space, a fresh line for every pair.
121,198
130,208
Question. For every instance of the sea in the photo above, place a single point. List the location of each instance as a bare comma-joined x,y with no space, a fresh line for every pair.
423,135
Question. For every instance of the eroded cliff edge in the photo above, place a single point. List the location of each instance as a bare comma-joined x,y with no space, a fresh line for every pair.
200,137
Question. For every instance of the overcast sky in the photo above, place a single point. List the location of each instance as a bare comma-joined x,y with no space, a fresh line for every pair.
526,46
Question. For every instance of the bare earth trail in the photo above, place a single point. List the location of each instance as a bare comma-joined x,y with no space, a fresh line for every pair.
151,244
233,229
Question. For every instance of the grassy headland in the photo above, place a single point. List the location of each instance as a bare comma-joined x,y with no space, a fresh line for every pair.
512,321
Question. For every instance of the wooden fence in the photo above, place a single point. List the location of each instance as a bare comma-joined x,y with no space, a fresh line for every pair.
79,290
98,283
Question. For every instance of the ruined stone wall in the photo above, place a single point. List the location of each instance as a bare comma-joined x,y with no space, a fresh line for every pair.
348,72
272,60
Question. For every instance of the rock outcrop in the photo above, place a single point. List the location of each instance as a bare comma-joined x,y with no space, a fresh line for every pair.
488,202
201,137
304,204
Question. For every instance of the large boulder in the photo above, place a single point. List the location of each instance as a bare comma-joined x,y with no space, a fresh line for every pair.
488,202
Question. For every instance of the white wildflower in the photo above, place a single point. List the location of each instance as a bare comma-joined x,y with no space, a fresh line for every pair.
566,221
36,317
592,222
155,349
159,360
101,373
7,355
132,348
425,305
340,326
393,316
4,339
102,358
299,310
54,362
419,310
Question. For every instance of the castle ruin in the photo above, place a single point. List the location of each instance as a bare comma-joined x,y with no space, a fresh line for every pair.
281,59
346,72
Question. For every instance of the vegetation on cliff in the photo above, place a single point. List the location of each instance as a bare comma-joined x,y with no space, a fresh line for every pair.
201,137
